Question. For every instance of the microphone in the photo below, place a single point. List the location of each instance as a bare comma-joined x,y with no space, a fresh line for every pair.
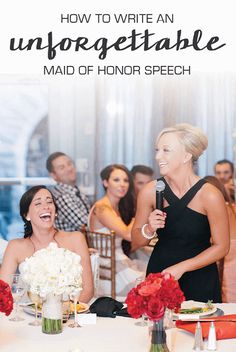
160,186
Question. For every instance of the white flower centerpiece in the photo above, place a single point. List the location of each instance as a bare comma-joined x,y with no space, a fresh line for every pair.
50,273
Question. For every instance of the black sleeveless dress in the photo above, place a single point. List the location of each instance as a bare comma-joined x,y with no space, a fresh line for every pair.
186,234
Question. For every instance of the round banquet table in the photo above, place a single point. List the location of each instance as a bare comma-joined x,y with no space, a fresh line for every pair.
107,335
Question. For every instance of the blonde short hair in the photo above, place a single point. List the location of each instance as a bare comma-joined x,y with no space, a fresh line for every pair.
192,137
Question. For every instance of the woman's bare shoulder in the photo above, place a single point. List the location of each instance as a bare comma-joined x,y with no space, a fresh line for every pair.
74,241
17,243
69,238
101,205
70,234
150,186
148,190
210,194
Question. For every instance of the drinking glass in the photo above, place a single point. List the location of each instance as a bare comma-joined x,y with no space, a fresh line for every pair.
142,321
168,319
17,289
75,296
36,299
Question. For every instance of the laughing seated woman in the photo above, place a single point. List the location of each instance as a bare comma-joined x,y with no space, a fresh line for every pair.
38,211
115,211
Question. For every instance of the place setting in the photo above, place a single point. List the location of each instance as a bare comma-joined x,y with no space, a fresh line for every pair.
35,308
194,311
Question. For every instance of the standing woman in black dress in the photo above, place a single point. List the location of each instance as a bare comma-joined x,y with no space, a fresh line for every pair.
192,229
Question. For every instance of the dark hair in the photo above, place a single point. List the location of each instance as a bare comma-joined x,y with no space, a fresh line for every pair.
25,202
142,169
127,203
225,161
50,159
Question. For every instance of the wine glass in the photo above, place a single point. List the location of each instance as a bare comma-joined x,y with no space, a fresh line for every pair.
17,289
75,296
168,319
36,299
142,321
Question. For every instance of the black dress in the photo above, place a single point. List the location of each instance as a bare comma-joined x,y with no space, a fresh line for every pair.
185,235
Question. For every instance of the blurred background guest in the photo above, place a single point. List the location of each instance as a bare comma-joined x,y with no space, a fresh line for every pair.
224,171
193,228
38,210
142,174
73,206
227,265
115,211
3,246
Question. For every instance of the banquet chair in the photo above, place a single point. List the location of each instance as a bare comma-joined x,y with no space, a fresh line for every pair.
104,243
94,259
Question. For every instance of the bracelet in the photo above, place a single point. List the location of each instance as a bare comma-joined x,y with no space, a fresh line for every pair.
148,237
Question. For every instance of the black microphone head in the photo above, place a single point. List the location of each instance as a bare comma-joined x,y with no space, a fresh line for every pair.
160,186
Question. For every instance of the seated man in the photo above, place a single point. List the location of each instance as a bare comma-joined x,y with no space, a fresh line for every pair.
224,171
72,204
142,174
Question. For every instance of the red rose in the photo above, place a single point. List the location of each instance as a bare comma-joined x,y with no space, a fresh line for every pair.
149,290
6,299
135,307
171,294
155,309
153,295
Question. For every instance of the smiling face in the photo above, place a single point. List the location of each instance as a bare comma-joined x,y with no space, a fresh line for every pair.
171,154
118,183
42,209
64,170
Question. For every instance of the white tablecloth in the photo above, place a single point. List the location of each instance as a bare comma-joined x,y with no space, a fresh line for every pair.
108,335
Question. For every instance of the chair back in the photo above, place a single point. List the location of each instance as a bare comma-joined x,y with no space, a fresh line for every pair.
104,243
94,258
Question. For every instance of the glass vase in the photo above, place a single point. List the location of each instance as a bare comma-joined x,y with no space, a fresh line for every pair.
52,314
158,337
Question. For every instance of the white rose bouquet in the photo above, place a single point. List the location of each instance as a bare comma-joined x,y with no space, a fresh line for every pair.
53,270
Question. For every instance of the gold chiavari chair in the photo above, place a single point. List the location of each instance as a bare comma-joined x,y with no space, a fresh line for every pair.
104,243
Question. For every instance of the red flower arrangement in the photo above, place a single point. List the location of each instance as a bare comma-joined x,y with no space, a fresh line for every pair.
151,297
6,299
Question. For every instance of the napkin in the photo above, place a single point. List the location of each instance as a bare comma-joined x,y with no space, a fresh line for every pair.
106,307
224,329
123,313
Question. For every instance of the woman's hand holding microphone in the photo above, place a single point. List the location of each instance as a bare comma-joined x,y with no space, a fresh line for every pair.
156,220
